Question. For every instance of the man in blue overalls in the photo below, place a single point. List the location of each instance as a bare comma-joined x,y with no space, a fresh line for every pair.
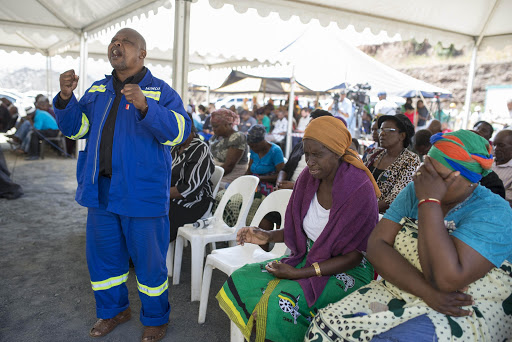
130,120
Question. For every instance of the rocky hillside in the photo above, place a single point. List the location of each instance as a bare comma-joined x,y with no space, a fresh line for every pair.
446,67
27,79
454,77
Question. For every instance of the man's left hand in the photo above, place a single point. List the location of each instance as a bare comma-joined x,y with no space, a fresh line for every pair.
134,95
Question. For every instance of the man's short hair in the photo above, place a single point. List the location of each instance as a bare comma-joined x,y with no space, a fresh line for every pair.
422,137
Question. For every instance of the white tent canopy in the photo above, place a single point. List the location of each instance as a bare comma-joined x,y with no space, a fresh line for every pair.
455,22
53,26
337,61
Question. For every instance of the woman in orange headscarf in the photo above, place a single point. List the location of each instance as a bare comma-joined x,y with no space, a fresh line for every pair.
331,213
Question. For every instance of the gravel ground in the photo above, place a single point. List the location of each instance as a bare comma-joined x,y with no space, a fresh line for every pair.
45,294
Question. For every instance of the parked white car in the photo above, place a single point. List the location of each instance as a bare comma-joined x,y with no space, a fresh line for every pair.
229,101
20,101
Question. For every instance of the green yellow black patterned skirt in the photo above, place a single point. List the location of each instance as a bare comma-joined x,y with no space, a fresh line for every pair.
283,314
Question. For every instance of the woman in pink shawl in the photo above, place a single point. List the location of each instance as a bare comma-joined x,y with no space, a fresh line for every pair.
332,211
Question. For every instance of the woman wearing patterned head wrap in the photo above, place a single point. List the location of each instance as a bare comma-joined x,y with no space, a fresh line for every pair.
443,249
332,211
229,147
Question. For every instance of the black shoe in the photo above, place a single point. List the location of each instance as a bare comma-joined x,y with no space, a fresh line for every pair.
32,158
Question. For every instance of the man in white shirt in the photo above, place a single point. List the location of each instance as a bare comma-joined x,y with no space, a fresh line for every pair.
384,106
304,120
280,127
503,160
345,110
344,106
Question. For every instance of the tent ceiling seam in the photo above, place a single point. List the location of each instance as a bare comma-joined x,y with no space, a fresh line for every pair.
487,20
125,11
57,16
33,26
28,40
53,50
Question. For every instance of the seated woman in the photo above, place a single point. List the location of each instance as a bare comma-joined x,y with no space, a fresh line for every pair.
325,230
443,249
229,147
266,159
191,188
392,164
375,136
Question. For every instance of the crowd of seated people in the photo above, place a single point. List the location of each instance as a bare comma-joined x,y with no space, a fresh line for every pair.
442,249
37,125
296,296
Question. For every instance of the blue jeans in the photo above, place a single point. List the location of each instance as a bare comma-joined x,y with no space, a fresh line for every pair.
419,329
24,133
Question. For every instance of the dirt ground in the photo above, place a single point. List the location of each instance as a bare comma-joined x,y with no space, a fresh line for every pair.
45,293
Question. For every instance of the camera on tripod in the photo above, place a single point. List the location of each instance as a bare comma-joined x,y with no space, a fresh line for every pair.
359,95
335,102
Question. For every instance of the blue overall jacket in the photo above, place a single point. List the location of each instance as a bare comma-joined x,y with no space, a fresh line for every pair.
141,158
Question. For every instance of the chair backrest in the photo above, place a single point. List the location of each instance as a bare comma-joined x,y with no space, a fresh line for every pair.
276,201
215,179
246,187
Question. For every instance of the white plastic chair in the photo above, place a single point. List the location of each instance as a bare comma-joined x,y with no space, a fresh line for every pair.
219,231
230,259
215,179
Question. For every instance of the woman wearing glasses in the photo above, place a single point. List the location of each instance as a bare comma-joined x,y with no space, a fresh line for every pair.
392,164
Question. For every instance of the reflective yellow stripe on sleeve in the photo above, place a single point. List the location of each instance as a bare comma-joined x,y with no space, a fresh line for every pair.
153,291
181,128
155,95
84,128
109,283
100,88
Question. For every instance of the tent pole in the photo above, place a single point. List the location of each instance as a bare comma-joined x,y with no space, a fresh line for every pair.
469,89
209,68
80,144
83,64
49,90
181,48
291,104
264,90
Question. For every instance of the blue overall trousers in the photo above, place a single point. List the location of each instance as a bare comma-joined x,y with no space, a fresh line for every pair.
110,242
